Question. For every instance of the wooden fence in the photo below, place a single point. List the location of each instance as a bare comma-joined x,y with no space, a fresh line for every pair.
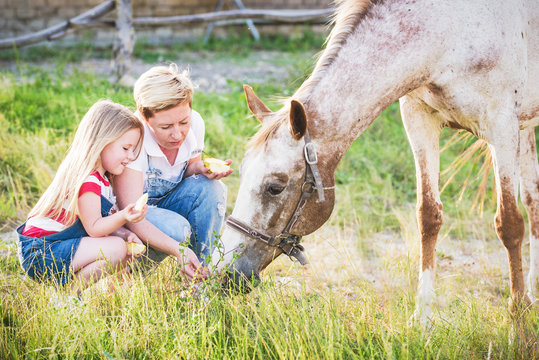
125,35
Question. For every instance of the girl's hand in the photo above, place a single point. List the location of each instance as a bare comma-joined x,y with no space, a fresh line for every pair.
213,175
131,215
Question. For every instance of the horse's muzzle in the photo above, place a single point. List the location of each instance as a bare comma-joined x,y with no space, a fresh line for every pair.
236,282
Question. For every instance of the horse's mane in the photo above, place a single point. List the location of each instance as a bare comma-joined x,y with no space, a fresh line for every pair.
347,16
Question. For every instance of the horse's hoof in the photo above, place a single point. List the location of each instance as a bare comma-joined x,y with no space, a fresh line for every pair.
421,318
534,300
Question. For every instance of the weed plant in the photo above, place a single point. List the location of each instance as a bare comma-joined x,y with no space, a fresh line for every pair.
159,316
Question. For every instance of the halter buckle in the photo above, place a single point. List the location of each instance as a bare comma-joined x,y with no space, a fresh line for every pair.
310,150
289,239
310,190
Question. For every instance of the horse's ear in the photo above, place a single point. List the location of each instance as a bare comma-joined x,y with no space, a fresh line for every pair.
256,106
298,120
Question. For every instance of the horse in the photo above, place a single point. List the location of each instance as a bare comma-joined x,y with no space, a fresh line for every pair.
471,65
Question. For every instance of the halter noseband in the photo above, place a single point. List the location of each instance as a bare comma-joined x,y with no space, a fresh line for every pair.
286,241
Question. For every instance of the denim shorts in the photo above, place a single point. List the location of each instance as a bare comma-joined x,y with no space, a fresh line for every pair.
49,257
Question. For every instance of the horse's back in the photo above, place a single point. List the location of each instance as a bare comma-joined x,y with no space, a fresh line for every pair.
493,56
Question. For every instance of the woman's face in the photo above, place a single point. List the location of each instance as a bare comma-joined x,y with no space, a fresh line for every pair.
170,127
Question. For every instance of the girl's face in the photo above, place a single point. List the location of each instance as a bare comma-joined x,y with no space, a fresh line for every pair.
170,127
116,155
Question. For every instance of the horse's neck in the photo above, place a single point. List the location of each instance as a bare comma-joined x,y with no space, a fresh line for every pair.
383,59
398,47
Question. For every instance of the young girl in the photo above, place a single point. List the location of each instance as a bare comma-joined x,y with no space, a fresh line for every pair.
75,229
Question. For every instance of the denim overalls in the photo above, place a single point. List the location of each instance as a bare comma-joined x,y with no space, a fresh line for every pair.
49,257
192,208
158,188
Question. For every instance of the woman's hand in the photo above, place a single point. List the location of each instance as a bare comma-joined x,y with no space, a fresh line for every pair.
131,215
131,237
191,267
212,175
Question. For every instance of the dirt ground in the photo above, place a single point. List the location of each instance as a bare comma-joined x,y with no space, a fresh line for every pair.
476,268
209,73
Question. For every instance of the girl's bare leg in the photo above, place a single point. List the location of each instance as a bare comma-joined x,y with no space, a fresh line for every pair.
96,257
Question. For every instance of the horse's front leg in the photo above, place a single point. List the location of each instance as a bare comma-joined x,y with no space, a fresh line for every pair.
508,220
529,189
423,131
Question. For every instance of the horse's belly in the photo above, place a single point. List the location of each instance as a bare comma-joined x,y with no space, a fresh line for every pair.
529,111
456,111
529,122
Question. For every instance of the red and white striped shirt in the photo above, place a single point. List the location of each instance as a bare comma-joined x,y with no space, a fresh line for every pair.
43,226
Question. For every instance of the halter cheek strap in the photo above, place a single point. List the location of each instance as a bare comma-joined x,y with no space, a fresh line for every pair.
311,158
286,241
289,244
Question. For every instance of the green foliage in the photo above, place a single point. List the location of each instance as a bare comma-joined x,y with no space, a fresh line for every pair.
58,52
235,44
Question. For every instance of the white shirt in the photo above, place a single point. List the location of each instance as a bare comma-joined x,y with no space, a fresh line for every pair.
191,147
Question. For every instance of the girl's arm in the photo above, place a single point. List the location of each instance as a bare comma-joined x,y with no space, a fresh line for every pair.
98,226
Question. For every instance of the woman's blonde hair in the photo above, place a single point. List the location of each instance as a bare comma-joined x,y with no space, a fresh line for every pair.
104,123
161,88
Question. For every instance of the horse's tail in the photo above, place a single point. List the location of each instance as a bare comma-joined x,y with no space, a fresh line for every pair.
476,153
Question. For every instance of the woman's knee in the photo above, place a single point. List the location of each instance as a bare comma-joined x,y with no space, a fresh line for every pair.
212,195
170,223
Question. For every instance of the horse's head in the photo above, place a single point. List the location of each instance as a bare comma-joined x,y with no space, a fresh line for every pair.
286,191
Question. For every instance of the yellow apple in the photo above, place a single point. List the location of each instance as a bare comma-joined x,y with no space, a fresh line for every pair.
135,249
215,165
141,202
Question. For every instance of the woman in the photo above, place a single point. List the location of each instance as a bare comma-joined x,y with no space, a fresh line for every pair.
188,200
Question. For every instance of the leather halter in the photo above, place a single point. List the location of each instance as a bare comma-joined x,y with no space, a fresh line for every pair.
286,241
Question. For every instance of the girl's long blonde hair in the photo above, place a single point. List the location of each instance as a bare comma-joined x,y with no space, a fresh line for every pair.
104,123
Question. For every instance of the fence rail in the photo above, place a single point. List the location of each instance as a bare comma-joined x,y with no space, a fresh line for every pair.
279,16
91,17
86,19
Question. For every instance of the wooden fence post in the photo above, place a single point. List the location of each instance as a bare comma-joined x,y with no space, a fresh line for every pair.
124,42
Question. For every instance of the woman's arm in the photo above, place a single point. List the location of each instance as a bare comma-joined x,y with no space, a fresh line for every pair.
128,188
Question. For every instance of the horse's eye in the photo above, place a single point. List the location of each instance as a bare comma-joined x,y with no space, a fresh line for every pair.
275,189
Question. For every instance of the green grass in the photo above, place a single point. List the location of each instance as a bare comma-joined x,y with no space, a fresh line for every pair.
157,318
345,317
